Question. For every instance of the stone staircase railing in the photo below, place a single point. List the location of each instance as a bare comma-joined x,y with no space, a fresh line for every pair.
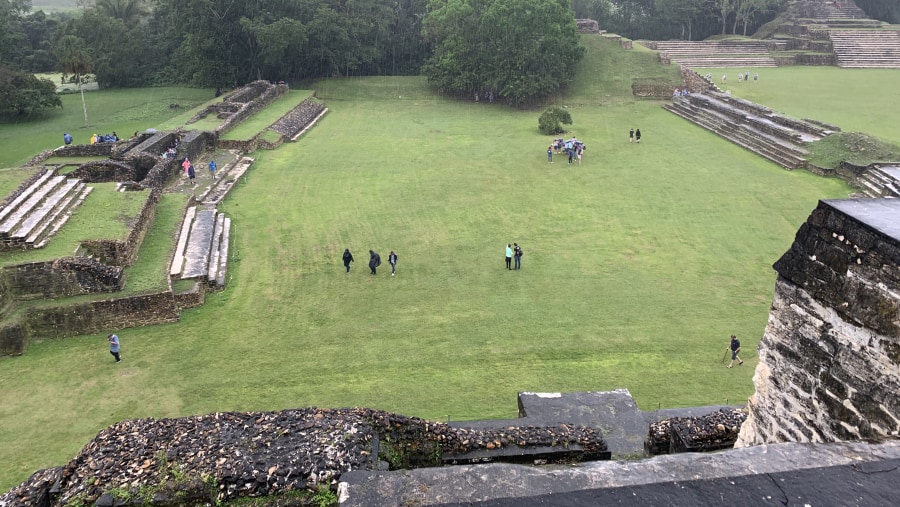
40,211
202,249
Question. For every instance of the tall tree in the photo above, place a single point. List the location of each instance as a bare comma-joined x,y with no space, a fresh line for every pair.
517,49
130,12
723,9
74,58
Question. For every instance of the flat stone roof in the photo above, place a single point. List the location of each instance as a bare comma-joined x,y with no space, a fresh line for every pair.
881,214
782,474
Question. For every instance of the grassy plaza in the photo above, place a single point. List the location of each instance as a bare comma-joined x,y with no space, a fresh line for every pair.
638,263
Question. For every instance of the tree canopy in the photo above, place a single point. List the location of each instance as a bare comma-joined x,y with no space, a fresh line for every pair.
23,94
516,49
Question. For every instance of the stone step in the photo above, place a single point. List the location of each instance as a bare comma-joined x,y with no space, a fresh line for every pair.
25,194
45,213
223,254
24,209
178,259
40,240
213,270
199,243
226,182
63,207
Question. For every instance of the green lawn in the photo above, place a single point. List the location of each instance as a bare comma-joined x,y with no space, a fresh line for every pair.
265,117
638,265
122,111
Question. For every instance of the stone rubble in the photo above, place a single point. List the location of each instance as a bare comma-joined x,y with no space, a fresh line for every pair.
224,456
715,431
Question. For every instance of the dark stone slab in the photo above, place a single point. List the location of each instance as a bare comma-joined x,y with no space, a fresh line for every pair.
199,243
826,474
883,215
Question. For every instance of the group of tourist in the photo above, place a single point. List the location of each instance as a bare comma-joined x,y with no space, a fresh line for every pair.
634,136
573,148
105,138
742,76
513,252
374,261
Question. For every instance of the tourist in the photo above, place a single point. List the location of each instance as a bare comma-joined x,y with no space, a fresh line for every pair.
550,154
185,164
509,254
735,347
93,138
637,136
571,152
579,150
348,258
114,346
756,77
212,169
724,78
67,138
631,136
191,173
517,253
747,76
392,260
374,261
676,93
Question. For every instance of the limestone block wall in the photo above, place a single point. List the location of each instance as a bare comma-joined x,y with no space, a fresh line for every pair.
67,276
123,253
829,367
91,317
105,170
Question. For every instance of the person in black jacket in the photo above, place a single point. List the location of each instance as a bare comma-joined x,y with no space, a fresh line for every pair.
392,260
374,261
348,258
735,347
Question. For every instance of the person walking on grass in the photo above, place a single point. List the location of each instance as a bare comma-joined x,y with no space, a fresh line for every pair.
348,258
637,136
392,260
735,347
509,254
631,136
212,169
550,154
191,173
374,261
114,347
517,253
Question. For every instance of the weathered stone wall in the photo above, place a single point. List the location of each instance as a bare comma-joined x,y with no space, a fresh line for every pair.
105,170
90,317
84,150
12,340
266,97
193,298
829,367
67,276
587,26
123,253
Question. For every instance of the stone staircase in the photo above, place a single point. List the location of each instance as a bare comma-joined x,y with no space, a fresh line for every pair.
300,119
866,48
202,249
751,126
226,178
40,211
716,54
880,180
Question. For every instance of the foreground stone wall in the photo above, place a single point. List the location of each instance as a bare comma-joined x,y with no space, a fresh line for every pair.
94,316
829,367
67,276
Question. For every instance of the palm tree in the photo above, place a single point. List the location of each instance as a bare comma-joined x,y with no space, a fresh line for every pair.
131,12
74,58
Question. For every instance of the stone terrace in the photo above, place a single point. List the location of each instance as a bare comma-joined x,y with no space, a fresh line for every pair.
866,48
715,54
40,210
750,125
202,250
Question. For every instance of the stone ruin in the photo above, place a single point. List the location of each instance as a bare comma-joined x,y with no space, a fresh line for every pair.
43,202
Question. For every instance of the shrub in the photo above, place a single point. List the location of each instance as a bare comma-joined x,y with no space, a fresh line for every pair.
550,121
